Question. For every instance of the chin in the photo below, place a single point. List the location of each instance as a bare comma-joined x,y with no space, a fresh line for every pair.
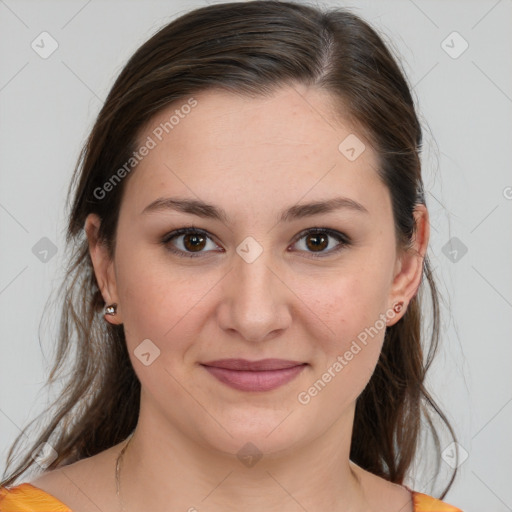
257,433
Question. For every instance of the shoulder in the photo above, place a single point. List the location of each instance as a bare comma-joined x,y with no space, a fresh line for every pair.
425,503
79,487
29,498
381,493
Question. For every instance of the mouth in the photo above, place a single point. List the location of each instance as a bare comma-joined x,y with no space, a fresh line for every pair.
263,375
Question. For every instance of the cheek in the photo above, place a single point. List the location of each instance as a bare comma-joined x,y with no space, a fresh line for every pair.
162,309
151,302
347,305
162,303
348,311
345,360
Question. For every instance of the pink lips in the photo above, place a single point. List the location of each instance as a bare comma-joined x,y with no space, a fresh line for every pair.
263,375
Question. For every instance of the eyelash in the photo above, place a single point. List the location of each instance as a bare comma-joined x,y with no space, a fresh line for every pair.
344,240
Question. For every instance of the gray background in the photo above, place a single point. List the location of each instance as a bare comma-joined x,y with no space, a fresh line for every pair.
47,107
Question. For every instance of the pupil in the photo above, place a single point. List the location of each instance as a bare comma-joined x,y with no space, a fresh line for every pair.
317,241
197,241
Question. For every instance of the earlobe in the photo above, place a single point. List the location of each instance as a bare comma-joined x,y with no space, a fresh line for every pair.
103,269
407,279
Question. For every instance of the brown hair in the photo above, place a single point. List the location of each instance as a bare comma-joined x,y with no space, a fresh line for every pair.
247,48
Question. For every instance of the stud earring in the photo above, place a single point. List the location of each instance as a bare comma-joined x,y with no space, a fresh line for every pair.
398,307
111,309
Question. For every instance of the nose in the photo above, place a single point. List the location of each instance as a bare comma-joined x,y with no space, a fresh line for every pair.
256,300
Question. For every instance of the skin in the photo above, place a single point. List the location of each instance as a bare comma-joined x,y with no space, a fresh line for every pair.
254,158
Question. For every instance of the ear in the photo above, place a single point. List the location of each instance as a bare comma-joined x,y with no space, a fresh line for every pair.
409,267
103,266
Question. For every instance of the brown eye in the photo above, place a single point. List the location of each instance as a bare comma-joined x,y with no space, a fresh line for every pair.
317,240
189,242
194,242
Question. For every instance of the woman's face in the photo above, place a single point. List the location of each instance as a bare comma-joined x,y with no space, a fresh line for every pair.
259,283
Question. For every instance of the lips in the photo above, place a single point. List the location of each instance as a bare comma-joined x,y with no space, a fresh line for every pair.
253,366
263,375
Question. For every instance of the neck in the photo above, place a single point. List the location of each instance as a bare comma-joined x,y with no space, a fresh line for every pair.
164,469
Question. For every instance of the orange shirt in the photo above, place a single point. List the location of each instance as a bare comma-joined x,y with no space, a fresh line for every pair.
28,498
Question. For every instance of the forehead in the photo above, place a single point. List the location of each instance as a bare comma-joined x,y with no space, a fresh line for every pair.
289,145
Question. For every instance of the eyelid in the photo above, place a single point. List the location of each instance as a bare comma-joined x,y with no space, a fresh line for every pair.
343,240
185,231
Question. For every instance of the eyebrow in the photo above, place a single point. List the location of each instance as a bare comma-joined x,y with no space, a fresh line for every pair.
209,211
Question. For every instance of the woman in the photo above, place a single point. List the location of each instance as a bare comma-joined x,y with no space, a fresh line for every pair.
248,219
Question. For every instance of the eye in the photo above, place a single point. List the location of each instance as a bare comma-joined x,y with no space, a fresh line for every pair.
317,240
190,241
